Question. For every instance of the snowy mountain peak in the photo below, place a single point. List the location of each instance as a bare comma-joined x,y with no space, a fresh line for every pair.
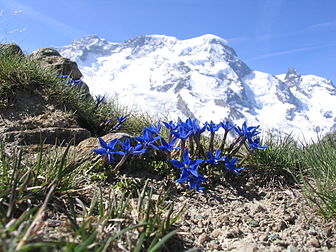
292,78
204,78
81,49
211,39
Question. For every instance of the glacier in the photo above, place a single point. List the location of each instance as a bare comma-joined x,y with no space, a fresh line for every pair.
203,78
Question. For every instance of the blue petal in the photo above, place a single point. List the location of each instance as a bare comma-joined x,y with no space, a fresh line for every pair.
163,148
184,176
102,143
177,163
193,172
155,138
153,146
210,155
138,147
100,151
234,161
140,139
200,189
196,162
164,142
119,152
112,143
173,141
127,144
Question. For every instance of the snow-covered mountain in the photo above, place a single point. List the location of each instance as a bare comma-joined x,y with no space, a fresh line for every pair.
203,78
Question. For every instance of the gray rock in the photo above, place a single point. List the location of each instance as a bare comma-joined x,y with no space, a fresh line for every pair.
45,135
50,58
11,49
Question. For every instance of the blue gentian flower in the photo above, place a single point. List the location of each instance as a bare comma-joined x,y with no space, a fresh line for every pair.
182,133
62,76
188,168
227,126
147,139
170,126
212,127
254,144
248,132
130,150
155,130
186,164
121,120
231,165
70,81
195,183
215,159
108,149
168,147
77,82
195,128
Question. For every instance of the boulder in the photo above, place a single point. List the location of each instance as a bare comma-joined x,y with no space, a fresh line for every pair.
32,118
86,146
50,58
11,49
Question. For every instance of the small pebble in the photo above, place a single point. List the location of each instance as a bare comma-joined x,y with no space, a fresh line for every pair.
263,237
202,238
216,233
272,237
214,245
314,243
312,231
280,226
235,232
291,249
198,230
281,243
254,223
328,231
290,219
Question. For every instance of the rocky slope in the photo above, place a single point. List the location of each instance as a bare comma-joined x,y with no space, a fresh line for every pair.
31,116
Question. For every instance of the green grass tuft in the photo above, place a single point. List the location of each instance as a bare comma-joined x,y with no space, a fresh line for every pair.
319,175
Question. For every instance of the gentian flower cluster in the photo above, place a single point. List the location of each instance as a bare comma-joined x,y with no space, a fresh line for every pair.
189,172
184,141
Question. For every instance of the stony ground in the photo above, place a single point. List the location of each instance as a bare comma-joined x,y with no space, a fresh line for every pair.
253,218
237,214
244,218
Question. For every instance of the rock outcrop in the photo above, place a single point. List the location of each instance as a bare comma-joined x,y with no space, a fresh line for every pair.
11,49
32,118
50,58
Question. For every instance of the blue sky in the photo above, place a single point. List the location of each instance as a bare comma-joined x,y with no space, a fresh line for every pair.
269,35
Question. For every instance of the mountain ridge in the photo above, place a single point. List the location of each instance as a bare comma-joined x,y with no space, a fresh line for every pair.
203,77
